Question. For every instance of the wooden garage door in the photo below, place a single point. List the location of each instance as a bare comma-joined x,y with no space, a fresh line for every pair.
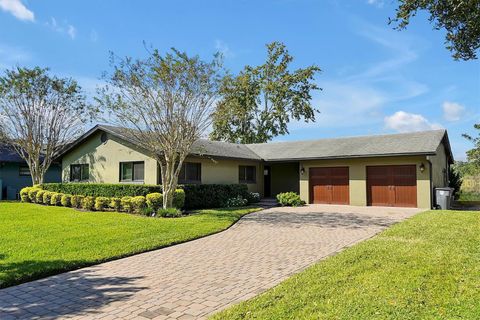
392,186
329,185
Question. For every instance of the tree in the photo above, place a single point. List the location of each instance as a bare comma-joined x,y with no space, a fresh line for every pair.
473,155
460,19
166,103
455,180
40,114
258,104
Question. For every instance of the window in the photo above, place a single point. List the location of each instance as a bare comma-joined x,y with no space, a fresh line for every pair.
190,173
247,174
24,171
79,172
132,171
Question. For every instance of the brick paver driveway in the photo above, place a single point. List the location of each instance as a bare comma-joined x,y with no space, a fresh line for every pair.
197,278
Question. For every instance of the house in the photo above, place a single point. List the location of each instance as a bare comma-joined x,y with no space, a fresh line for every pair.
15,174
379,170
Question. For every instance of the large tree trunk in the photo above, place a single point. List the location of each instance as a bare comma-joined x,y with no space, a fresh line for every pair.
170,171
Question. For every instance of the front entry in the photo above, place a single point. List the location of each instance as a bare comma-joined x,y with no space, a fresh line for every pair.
329,185
267,189
392,186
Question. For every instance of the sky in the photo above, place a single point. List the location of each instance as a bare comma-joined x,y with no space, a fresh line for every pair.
374,80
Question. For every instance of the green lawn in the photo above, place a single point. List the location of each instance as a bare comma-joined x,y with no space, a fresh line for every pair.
36,241
427,267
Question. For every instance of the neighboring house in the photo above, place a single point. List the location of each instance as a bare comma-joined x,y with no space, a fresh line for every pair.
15,175
380,170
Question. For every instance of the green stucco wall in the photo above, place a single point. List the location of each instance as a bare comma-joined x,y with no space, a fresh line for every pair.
358,176
439,167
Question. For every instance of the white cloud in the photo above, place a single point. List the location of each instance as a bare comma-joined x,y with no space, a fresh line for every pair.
402,121
72,32
452,111
17,9
224,49
64,27
377,3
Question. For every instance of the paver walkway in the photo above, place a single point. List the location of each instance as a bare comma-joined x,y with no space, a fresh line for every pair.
197,278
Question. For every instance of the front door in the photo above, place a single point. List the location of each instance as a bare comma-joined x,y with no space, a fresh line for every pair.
267,181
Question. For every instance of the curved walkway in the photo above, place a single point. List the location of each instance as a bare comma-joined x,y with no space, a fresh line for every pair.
197,278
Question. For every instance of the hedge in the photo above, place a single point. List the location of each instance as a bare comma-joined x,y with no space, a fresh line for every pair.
102,189
197,196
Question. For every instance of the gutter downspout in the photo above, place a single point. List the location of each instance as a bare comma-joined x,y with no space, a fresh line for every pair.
432,194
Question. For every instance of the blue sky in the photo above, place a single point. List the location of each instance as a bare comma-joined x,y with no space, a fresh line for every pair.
374,79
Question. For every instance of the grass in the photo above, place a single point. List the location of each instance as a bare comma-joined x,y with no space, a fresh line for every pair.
427,267
37,241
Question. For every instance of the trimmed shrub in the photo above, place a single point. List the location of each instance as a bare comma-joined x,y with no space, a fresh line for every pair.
32,194
126,203
169,213
290,199
116,204
154,200
238,201
66,200
179,199
88,203
102,203
201,196
103,189
76,201
56,199
147,211
47,197
253,197
138,203
39,196
24,194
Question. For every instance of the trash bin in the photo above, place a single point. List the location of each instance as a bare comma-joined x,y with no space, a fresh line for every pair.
443,197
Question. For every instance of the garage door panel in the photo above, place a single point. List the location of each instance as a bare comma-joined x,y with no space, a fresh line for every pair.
392,186
329,185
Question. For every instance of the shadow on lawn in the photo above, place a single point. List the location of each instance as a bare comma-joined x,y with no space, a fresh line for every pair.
72,293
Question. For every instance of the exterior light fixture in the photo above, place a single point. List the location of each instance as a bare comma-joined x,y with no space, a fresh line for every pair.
422,167
302,171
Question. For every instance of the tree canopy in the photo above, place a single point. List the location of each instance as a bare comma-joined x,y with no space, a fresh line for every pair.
257,104
459,18
39,114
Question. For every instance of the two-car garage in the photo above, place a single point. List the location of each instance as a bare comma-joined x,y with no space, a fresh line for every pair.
387,185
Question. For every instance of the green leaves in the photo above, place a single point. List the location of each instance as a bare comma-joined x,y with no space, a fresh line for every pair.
259,102
460,19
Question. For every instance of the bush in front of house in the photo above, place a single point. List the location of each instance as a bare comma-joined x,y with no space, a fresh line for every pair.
116,204
126,204
203,196
169,213
39,196
290,199
179,199
154,200
47,196
88,203
238,201
138,204
76,201
66,200
24,194
102,189
32,194
102,203
56,199
253,197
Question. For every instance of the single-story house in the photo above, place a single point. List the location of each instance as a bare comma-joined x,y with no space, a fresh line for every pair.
378,170
15,174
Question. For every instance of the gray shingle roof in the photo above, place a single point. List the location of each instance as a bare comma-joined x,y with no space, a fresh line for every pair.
8,154
424,142
415,143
